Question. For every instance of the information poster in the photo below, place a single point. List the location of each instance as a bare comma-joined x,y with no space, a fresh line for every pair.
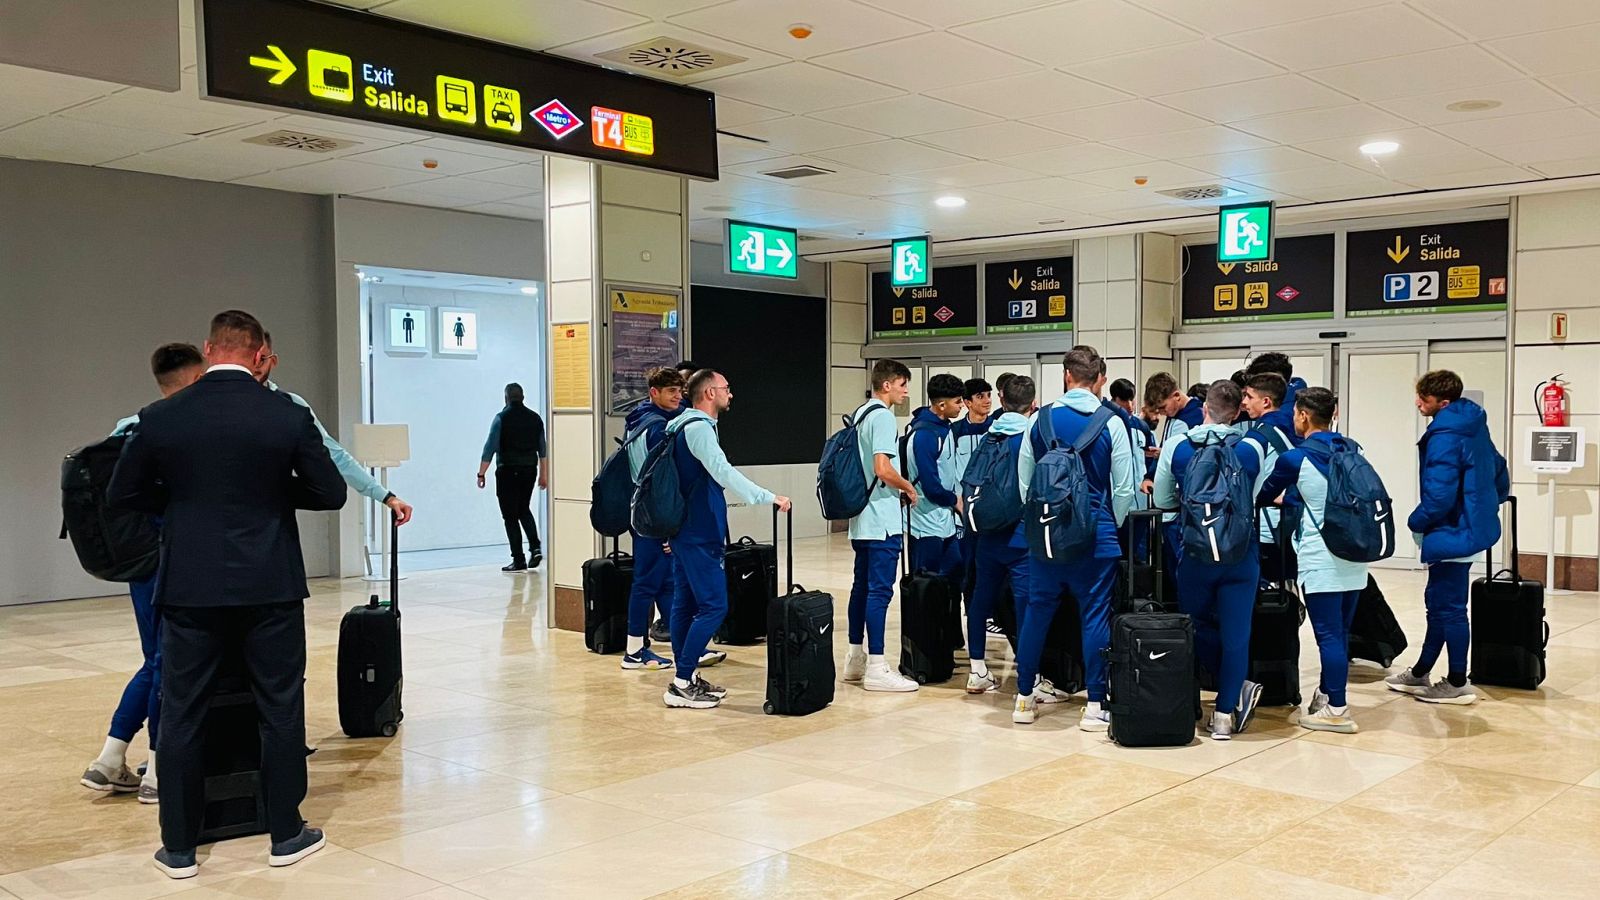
1297,283
569,356
458,331
1461,267
946,308
644,335
1027,295
408,328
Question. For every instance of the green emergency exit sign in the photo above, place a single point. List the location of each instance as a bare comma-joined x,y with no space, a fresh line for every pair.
909,262
762,250
1244,232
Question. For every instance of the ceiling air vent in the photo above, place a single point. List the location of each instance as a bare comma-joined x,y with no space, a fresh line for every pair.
299,140
670,56
1202,192
798,172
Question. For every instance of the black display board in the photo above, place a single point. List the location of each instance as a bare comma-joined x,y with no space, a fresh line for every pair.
1461,267
1027,295
773,348
1296,284
292,54
946,308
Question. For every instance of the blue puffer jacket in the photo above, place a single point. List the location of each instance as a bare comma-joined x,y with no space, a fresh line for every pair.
1463,482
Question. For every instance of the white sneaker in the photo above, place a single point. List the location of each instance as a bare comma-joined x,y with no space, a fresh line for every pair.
982,684
855,666
1025,710
886,679
1044,691
1094,721
1221,726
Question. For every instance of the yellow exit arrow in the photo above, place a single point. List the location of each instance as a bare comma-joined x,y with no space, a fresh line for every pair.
1398,253
899,291
279,64
1015,280
1226,268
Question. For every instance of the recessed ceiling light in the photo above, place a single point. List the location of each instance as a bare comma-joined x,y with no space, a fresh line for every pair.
530,289
951,201
1379,148
1473,105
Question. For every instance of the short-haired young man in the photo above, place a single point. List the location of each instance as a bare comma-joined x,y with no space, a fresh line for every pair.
930,466
978,397
1180,412
875,532
701,597
175,367
999,555
1271,433
1220,598
1279,364
1463,483
1112,477
652,565
1331,585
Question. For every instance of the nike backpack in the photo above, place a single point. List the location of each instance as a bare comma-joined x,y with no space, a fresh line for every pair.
990,498
1358,518
112,544
659,507
842,486
1217,507
611,492
1063,513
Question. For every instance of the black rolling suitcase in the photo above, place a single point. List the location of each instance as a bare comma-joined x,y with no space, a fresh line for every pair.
1509,631
800,672
1142,588
1375,634
1275,641
752,570
1151,682
926,645
235,805
369,658
607,582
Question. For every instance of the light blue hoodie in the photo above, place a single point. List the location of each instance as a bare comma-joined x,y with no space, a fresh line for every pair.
1124,474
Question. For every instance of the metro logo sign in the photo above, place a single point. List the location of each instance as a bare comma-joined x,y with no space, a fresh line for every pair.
557,119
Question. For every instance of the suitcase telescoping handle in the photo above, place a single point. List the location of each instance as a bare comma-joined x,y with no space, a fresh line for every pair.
788,564
1515,569
394,563
1152,549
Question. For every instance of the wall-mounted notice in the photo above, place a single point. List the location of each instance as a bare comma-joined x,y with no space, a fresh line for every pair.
408,328
458,331
643,335
569,365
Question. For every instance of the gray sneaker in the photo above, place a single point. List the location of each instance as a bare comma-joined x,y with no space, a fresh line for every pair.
302,845
1442,691
177,864
695,696
715,690
1249,696
100,778
148,793
1406,683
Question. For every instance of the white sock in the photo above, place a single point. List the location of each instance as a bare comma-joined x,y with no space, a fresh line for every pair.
683,684
1093,708
980,668
858,650
150,768
635,644
114,755
1337,710
876,661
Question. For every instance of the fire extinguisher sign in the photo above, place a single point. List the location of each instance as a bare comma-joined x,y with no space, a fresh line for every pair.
1554,449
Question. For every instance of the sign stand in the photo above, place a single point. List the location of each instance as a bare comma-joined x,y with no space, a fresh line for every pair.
381,447
1555,450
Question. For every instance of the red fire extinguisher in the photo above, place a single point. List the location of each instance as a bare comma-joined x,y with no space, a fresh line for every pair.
1551,397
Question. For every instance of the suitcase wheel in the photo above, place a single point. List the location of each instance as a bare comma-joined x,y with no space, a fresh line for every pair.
922,678
768,708
389,728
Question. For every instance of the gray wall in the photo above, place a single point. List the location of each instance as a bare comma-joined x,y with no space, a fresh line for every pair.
97,268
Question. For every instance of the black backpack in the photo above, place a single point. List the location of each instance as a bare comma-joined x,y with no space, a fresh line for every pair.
611,492
112,544
842,487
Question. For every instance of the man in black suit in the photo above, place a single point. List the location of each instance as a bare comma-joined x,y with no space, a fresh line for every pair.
227,462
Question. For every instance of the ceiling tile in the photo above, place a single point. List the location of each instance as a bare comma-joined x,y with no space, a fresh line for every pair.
802,134
411,157
1552,52
1356,191
879,185
1251,162
1031,94
836,25
1191,142
892,156
40,92
1414,142
484,148
1315,124
1119,120
1002,137
1300,181
766,189
589,48
1411,168
1175,68
1495,175
975,174
1583,87
905,116
1515,98
1417,73
414,198
1537,153
163,162
1556,123
1071,32
529,177
798,87
75,141
511,22
1346,38
1162,176
660,9
733,113
980,205
333,176
945,13
468,190
731,151
506,210
925,62
1262,97
1230,16
128,110
1074,159
1569,168
1051,191
1489,19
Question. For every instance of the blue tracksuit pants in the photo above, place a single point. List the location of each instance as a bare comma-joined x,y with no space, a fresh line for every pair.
1090,581
700,602
141,699
872,591
1446,600
940,555
1331,614
653,584
996,560
1221,600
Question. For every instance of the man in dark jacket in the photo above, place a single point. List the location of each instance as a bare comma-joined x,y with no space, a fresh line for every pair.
1463,482
652,566
517,437
227,462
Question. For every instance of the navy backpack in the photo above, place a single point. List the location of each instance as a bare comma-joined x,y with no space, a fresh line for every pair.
1217,509
1063,513
1358,517
990,499
611,492
659,508
842,486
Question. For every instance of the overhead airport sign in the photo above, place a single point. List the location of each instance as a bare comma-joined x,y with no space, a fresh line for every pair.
1461,267
1027,295
1296,284
319,58
946,308
910,262
762,250
1244,232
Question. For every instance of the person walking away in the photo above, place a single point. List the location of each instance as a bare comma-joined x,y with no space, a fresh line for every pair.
999,555
929,457
226,463
652,565
1463,482
517,438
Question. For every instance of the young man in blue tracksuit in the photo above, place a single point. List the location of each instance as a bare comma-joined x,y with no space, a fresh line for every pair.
1463,483
1220,598
1270,433
1179,412
875,532
652,565
1001,555
979,398
1112,476
1332,586
1280,365
701,598
1140,438
929,461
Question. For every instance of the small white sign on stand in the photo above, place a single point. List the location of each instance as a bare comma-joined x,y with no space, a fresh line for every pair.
1553,450
382,447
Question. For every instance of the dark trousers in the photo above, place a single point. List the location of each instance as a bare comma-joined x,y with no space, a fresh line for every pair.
513,486
195,645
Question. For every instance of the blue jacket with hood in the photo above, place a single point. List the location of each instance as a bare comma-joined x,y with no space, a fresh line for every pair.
1463,482
930,464
655,419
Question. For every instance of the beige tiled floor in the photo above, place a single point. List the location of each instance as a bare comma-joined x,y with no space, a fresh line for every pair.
529,768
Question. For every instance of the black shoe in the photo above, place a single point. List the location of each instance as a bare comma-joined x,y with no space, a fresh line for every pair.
517,565
660,633
302,845
535,560
177,864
